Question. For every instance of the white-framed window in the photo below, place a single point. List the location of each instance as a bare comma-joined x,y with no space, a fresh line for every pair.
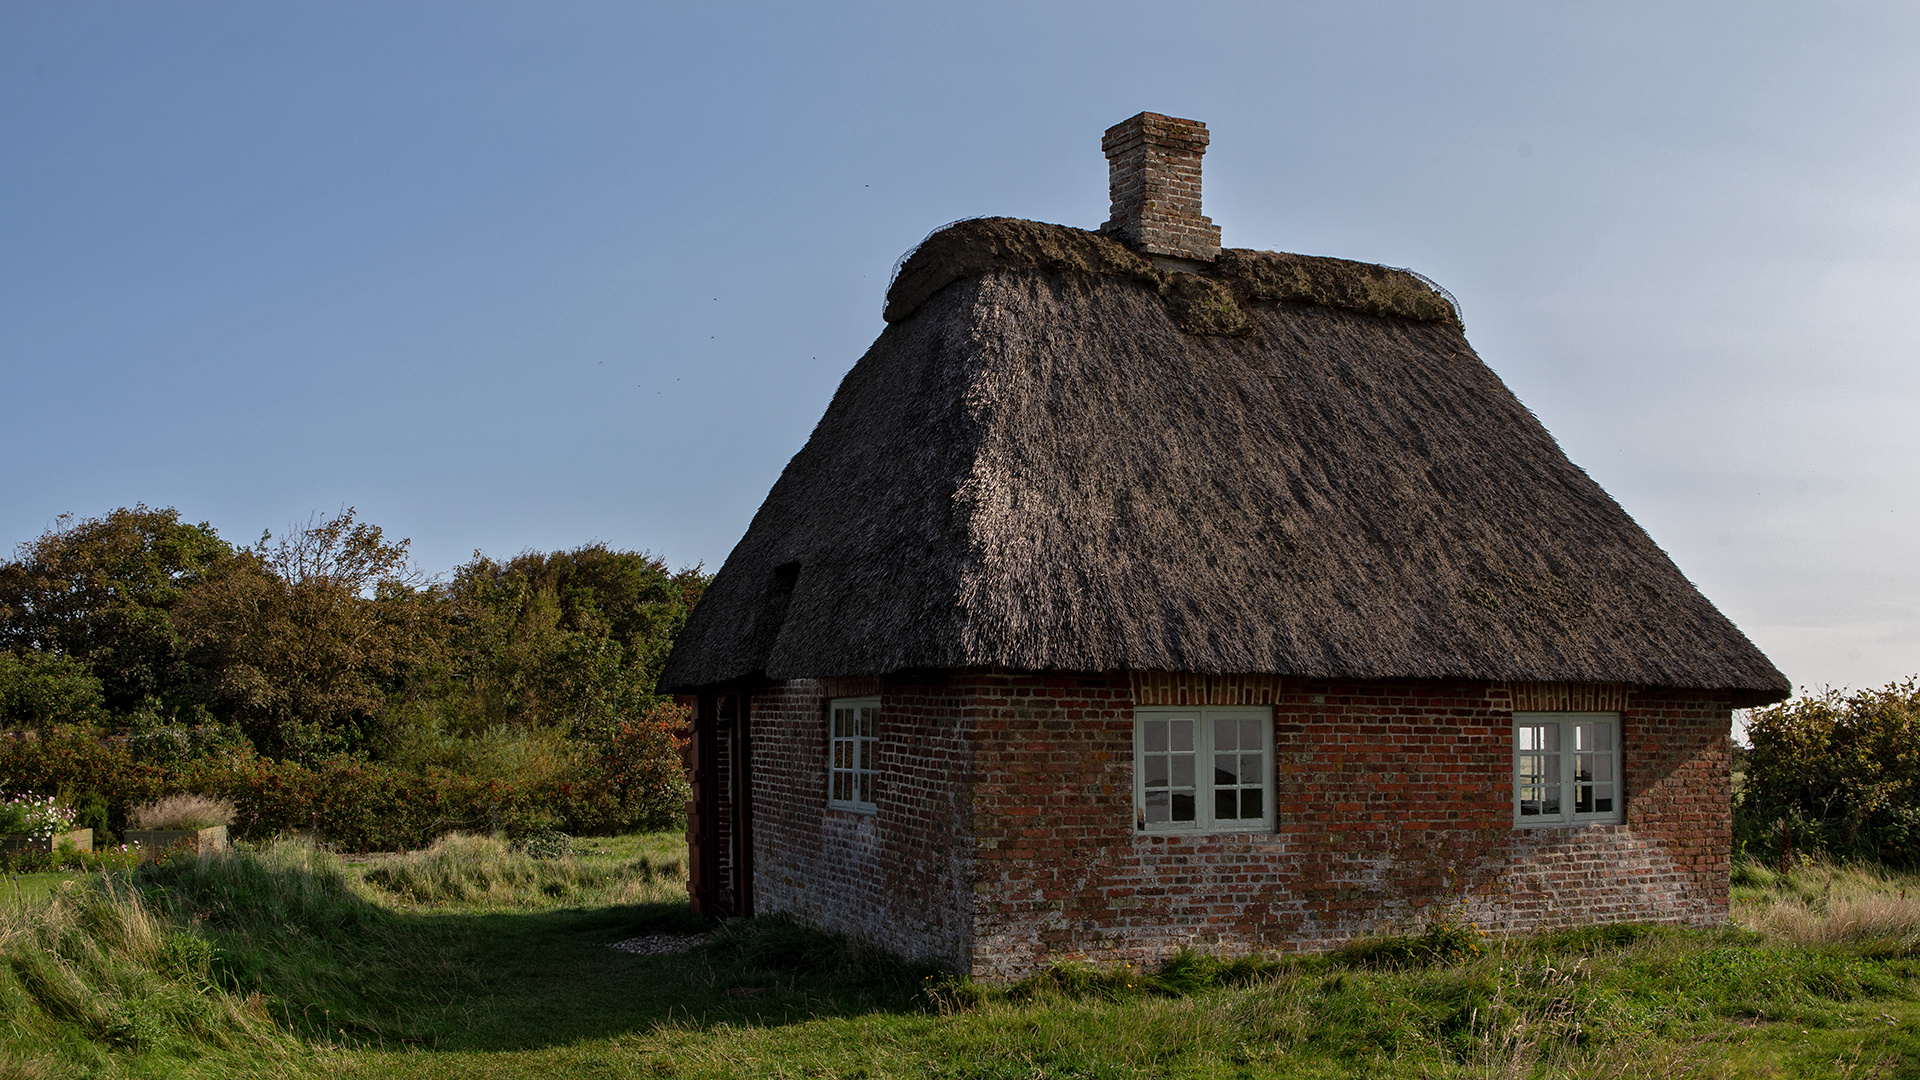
1566,769
1202,769
853,733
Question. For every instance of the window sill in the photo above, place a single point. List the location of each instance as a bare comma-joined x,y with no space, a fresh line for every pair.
1585,823
862,811
1243,830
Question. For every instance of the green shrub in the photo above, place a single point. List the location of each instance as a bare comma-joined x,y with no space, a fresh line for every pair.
40,689
634,782
1835,774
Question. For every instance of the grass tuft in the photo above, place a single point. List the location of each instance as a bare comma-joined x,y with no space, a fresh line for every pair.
99,967
483,871
185,812
287,961
1825,904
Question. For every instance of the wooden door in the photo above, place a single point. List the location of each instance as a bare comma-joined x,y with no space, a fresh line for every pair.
720,819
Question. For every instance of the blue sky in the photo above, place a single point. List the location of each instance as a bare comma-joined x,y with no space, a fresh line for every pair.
525,276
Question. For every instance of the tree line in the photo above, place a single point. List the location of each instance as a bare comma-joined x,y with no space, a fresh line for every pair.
159,638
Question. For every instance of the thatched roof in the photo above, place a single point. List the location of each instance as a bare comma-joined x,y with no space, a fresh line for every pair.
1058,457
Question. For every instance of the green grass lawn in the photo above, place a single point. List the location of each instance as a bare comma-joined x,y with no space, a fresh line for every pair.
20,889
471,960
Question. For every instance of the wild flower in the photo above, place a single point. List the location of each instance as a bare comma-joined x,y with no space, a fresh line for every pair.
38,817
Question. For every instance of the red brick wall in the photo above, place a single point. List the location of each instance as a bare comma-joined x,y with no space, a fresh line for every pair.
897,878
1005,837
1392,797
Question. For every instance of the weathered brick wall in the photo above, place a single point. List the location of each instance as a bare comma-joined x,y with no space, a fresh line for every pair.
897,878
1005,835
1672,858
1153,175
1392,798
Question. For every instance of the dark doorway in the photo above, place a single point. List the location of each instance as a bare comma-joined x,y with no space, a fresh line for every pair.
720,826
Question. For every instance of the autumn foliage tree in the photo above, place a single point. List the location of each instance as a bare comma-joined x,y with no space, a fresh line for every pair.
325,645
304,641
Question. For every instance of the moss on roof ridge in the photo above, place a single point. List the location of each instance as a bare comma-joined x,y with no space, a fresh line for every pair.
1209,302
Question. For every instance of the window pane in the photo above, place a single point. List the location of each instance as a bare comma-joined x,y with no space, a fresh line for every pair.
843,755
869,721
866,787
1603,768
1181,732
1536,768
1539,737
1593,736
1583,798
1224,735
1181,779
839,722
1156,771
842,786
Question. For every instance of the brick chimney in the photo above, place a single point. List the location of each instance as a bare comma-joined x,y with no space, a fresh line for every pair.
1153,173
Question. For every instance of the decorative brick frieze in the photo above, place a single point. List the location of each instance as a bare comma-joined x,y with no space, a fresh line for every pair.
1153,176
1567,697
840,688
1187,688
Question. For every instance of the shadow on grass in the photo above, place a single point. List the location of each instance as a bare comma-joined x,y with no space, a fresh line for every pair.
336,967
549,978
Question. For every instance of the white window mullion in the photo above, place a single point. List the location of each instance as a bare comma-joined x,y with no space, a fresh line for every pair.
853,739
1566,769
1203,769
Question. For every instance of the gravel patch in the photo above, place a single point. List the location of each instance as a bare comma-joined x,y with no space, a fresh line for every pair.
659,944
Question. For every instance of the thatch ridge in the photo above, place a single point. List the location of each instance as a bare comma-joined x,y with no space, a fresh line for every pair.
1040,468
1210,300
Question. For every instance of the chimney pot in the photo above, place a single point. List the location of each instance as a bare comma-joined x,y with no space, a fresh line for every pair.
1153,175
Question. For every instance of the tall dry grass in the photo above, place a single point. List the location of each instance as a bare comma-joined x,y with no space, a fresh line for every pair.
185,811
1830,904
97,968
483,871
